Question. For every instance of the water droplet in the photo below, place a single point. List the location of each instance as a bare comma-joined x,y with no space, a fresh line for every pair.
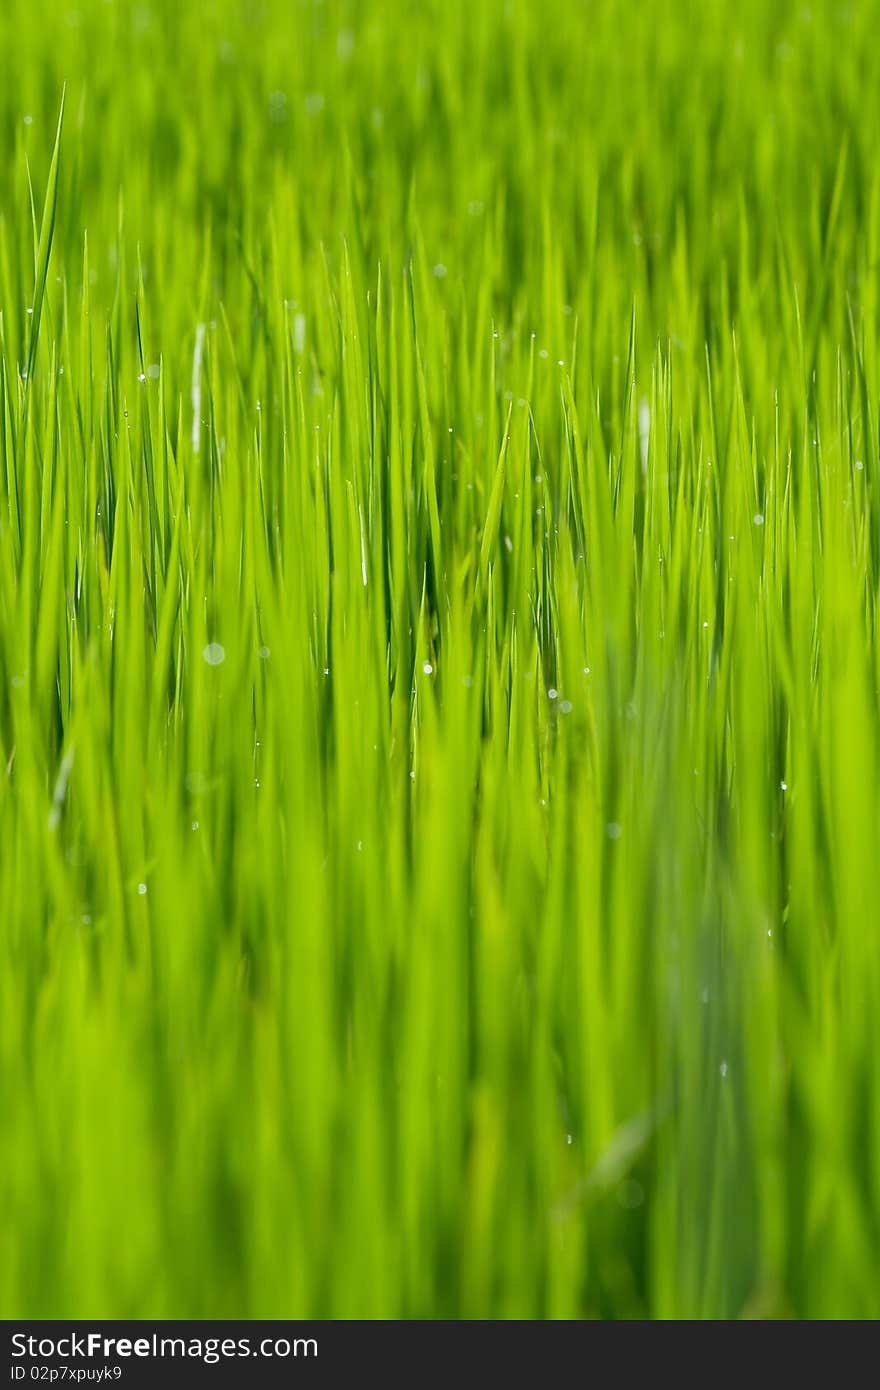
213,654
614,830
440,271
264,653
723,1069
277,106
758,518
427,668
552,693
142,889
565,706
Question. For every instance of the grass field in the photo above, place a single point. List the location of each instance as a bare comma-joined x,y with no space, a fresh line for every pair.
439,659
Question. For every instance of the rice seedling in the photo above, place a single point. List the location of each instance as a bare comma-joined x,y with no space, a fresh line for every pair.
439,731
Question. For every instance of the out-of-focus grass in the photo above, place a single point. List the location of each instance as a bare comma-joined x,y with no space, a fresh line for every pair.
439,737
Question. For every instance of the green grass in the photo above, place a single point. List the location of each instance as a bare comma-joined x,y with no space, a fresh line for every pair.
439,659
